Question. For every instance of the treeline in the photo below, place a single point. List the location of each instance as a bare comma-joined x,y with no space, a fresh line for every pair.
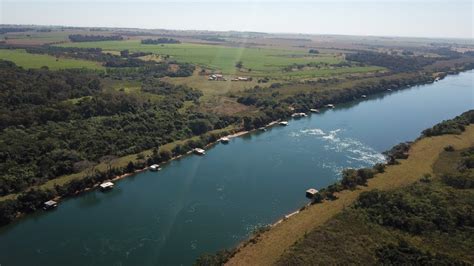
456,125
127,65
395,63
94,38
160,41
92,54
33,199
14,29
273,106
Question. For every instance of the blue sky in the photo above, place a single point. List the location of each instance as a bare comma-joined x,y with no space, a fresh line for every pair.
449,19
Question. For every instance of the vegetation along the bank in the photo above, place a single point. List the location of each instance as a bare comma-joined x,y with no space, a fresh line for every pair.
408,225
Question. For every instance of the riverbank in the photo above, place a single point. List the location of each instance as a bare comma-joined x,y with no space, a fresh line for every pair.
271,244
52,184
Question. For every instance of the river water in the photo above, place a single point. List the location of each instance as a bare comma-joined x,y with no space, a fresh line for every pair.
202,204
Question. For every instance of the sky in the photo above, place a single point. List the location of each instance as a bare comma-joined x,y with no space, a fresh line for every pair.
419,18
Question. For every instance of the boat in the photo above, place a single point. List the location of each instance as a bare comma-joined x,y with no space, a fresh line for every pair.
314,110
363,96
225,140
298,115
155,167
199,151
106,186
283,123
262,129
330,105
389,89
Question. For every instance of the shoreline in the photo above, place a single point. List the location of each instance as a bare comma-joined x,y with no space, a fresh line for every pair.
245,250
237,133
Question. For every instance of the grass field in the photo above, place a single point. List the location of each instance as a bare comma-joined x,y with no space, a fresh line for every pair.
27,60
423,155
224,58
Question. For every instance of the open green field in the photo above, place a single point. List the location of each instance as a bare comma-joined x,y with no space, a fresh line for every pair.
27,60
223,58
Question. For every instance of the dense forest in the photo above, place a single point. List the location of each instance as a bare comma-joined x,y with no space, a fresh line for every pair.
54,123
395,63
94,38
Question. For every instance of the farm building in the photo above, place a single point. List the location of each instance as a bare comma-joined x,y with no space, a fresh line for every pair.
216,77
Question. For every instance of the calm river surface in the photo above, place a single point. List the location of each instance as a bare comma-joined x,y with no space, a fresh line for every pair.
202,204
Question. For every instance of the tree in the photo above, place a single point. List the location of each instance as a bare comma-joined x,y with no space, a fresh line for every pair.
239,65
200,126
124,53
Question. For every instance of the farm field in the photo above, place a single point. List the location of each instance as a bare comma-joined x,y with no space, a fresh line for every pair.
27,60
261,61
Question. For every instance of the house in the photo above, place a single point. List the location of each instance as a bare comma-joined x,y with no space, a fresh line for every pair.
241,79
310,193
50,204
106,186
216,77
155,167
199,151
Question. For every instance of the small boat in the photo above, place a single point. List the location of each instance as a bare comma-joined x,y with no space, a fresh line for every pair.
363,96
330,105
283,123
199,151
155,167
225,140
262,129
106,186
314,110
389,89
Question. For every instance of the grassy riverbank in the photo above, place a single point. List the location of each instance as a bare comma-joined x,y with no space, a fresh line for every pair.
271,245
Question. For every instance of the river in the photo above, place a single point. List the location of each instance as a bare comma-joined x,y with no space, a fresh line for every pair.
202,204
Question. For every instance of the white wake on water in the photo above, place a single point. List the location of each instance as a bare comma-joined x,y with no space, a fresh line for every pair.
357,154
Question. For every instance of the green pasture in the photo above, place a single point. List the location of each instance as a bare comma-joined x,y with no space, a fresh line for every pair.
26,60
224,58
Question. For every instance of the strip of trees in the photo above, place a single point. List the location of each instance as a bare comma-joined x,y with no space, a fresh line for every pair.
160,41
94,38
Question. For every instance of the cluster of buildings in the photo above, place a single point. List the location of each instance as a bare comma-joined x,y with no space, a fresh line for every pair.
220,77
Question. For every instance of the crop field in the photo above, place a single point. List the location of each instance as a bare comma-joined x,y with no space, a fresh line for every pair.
260,60
27,60
35,38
